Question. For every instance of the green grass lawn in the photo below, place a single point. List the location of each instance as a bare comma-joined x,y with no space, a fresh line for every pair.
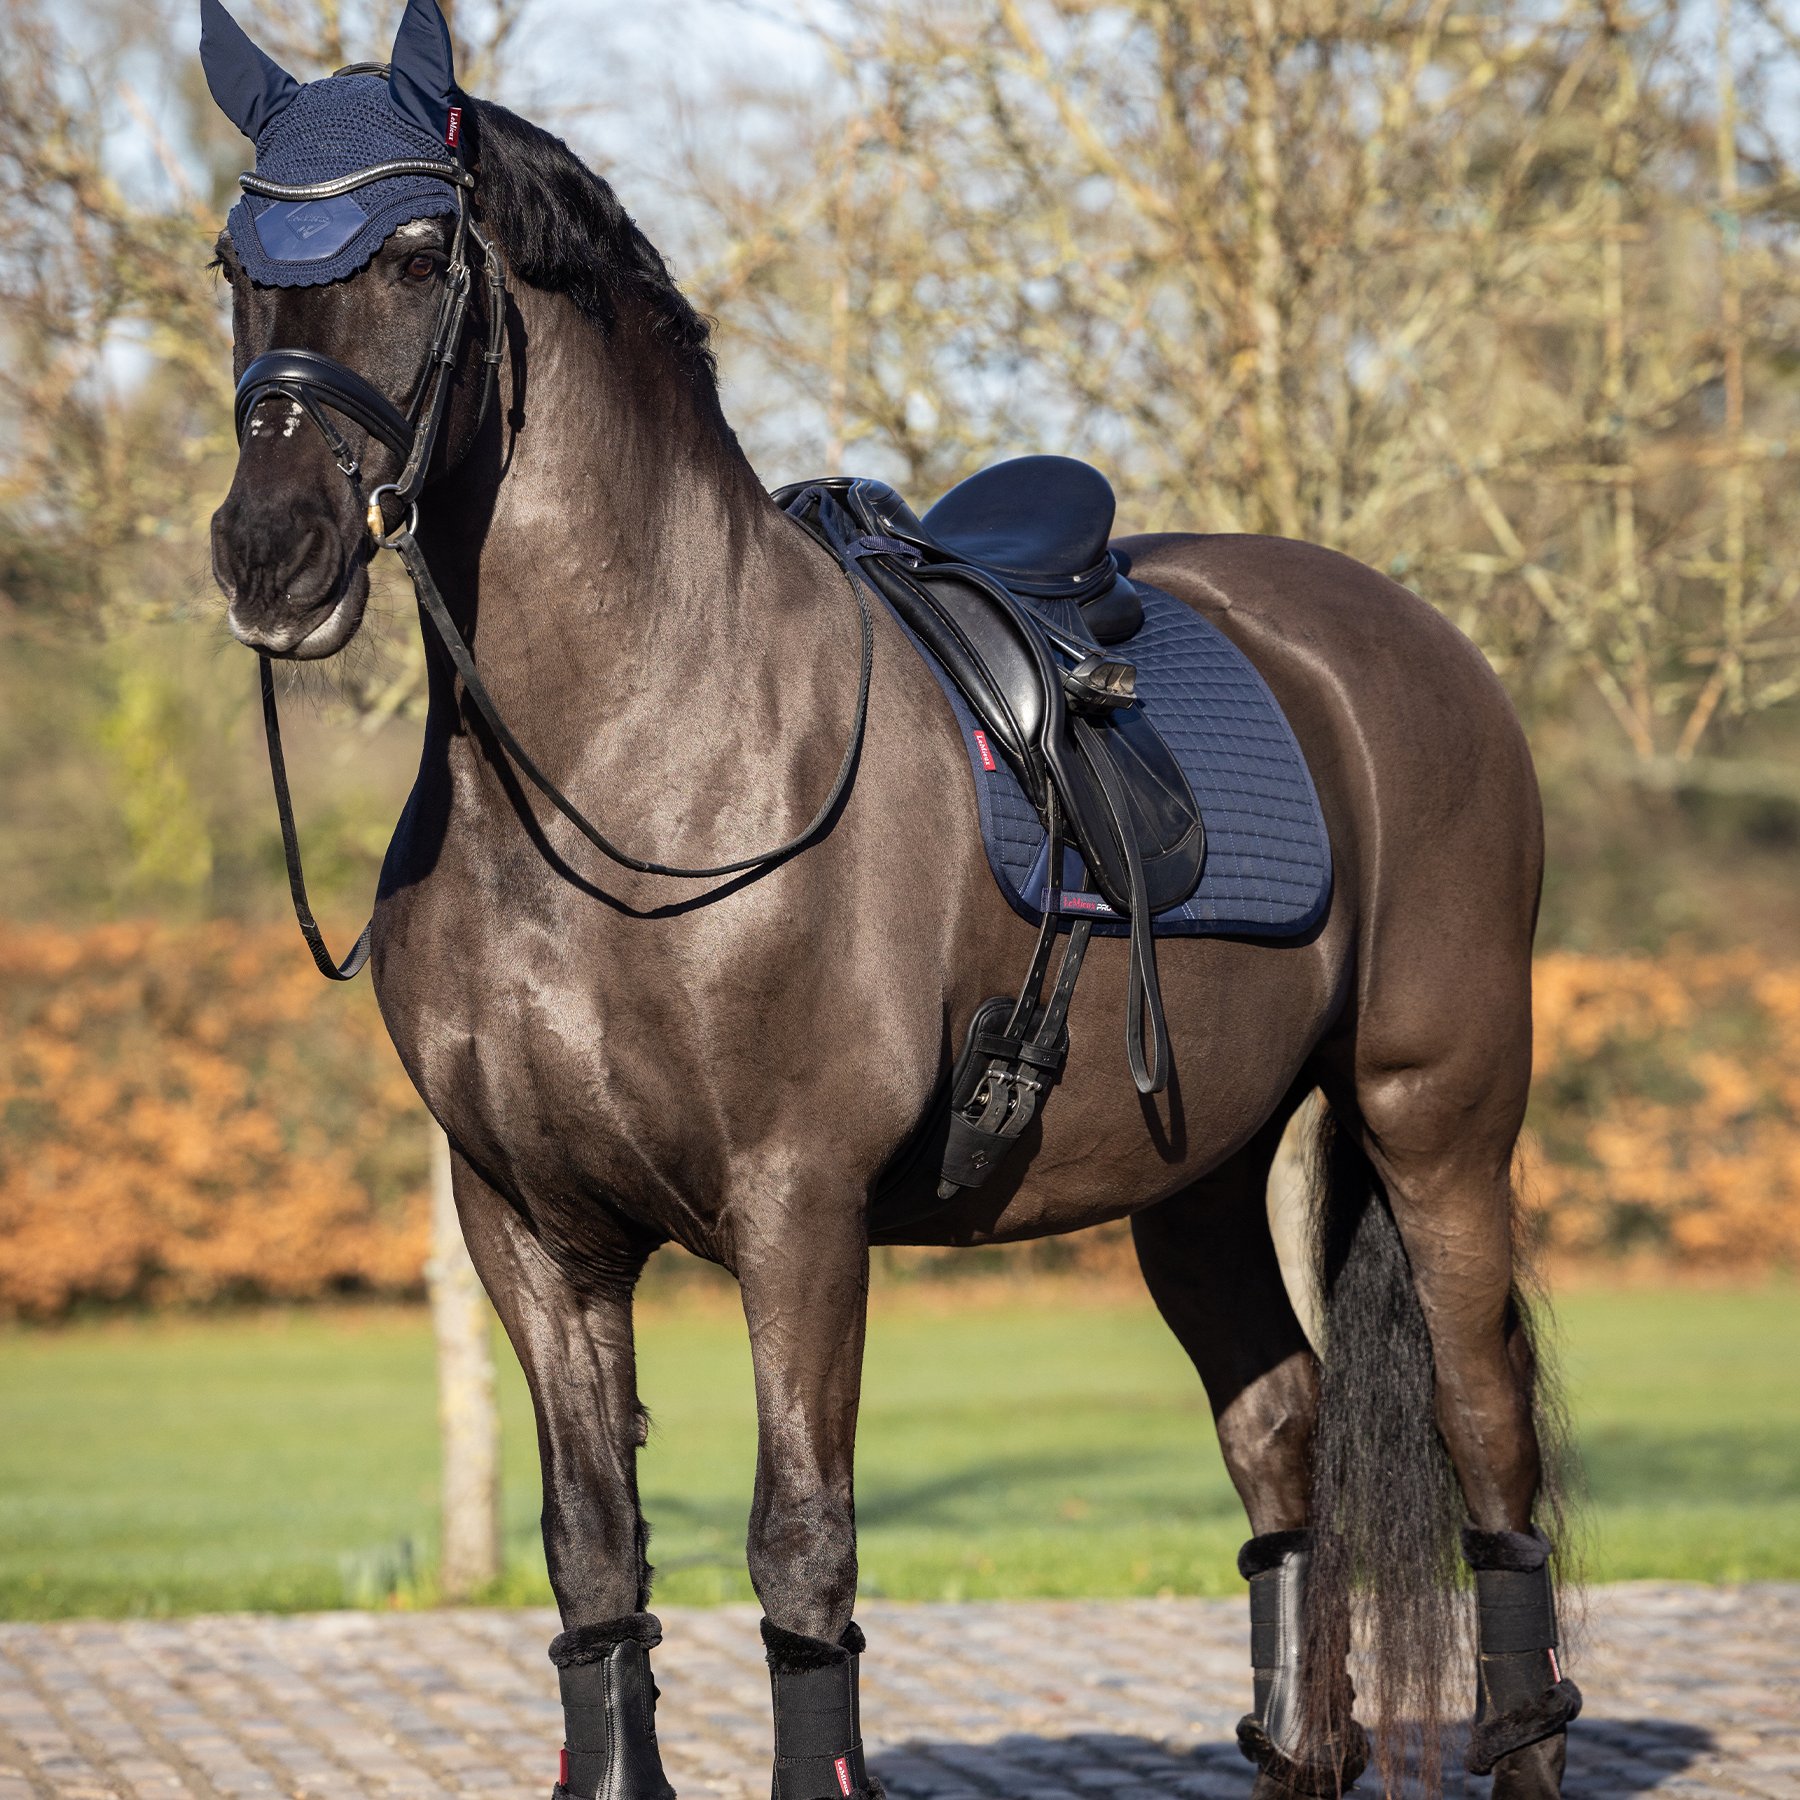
287,1460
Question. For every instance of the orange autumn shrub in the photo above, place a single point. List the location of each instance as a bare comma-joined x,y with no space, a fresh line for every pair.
193,1114
1666,1107
189,1115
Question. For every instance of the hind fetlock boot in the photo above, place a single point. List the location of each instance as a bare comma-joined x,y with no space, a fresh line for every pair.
818,1724
609,1711
1523,1701
1271,1736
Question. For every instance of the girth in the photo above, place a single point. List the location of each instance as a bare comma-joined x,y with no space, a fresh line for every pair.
1063,712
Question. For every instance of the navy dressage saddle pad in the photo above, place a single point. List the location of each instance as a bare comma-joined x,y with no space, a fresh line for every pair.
1268,860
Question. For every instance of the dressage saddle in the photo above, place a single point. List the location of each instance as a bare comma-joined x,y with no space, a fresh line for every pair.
1009,584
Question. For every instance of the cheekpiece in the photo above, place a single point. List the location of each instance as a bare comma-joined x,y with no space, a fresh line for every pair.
322,131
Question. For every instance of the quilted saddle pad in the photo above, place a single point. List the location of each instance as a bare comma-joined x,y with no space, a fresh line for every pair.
1268,860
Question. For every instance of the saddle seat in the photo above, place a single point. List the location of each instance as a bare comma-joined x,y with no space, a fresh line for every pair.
1040,524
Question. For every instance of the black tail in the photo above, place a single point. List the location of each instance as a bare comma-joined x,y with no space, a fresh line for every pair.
1386,1507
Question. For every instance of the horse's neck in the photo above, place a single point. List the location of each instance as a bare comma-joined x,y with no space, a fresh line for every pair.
651,628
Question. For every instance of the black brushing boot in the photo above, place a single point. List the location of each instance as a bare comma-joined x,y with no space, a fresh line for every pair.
1523,1701
818,1725
609,1711
1270,1737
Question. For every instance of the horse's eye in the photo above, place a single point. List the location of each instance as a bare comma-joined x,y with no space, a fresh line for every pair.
421,268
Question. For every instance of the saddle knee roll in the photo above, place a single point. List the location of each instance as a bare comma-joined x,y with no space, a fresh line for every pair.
609,1712
1274,1734
818,1721
1521,1693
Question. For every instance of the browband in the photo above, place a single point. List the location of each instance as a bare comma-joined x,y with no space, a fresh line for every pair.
329,190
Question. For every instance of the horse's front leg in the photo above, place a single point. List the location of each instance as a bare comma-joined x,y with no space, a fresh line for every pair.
804,1271
567,1311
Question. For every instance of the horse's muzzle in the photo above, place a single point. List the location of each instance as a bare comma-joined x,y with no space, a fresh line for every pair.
296,582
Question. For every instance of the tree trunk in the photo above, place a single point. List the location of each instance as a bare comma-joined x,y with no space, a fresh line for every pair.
467,1416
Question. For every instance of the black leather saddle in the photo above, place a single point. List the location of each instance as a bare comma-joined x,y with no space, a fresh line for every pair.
1009,583
1040,524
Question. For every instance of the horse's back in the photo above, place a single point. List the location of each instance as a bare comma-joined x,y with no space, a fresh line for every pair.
1424,777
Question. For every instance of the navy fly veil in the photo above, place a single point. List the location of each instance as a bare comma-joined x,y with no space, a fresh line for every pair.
325,130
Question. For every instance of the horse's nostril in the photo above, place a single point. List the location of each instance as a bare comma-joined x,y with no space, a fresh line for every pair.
309,574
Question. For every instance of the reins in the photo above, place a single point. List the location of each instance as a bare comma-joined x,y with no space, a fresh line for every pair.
317,383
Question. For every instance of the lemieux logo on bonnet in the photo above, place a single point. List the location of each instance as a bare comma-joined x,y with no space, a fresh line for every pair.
324,130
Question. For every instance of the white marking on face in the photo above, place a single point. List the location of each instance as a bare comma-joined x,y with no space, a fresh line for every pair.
417,228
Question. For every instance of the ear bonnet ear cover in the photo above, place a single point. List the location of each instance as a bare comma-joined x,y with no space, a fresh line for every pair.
331,128
249,87
422,74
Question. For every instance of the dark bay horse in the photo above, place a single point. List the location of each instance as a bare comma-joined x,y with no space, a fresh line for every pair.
623,1060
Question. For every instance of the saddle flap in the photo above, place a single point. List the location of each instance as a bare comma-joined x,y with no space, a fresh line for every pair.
1115,616
1160,810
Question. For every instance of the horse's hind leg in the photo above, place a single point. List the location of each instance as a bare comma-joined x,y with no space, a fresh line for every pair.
1212,1267
574,1340
1441,1073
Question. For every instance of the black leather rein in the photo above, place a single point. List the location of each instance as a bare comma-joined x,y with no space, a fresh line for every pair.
320,385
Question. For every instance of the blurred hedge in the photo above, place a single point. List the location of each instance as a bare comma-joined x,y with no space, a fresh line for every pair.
191,1115
1666,1107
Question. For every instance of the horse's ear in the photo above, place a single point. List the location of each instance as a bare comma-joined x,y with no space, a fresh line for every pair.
249,87
422,72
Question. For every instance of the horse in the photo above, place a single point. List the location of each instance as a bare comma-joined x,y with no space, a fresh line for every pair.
624,1058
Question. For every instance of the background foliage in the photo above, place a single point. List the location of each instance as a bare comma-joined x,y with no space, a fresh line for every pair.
192,1115
1503,300
185,1121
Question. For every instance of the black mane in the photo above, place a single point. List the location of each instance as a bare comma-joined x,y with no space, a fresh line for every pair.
561,228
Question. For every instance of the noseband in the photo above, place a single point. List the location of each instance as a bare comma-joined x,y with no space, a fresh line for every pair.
320,385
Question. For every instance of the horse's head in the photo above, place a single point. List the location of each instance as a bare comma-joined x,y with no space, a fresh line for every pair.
351,258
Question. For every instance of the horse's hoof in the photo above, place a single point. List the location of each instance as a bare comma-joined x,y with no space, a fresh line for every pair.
1272,1787
1534,1773
1280,1777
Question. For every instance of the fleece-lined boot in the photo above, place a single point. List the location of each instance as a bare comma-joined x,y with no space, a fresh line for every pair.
1522,1696
609,1711
818,1724
1271,1736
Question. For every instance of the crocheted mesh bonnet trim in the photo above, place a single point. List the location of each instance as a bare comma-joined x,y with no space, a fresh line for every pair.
333,128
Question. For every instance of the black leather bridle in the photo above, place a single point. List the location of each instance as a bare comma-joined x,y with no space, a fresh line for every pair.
320,385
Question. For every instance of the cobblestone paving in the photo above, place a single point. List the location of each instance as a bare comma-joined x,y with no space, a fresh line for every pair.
1691,1692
